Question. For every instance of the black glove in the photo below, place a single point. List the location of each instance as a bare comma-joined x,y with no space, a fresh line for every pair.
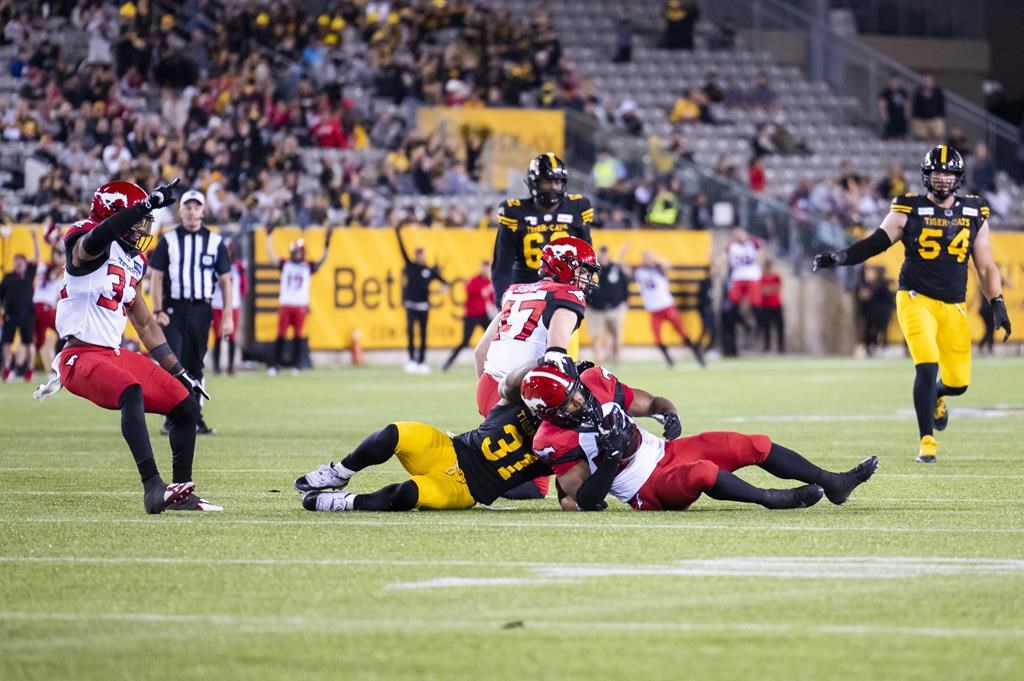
614,435
671,423
583,365
828,259
192,385
560,361
162,195
1000,318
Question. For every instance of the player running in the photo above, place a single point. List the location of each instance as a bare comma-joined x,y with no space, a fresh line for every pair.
938,231
594,446
652,281
99,295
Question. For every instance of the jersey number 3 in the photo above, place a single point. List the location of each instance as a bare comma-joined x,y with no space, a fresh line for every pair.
931,248
114,300
510,443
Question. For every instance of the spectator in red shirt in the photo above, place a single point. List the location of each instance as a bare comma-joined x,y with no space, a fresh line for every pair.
771,308
756,171
479,308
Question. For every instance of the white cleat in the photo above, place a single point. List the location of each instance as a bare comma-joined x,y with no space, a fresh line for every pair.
423,368
328,502
325,477
194,503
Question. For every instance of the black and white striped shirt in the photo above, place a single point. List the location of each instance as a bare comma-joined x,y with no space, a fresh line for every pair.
191,261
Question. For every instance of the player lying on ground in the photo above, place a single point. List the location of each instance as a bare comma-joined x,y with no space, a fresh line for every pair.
447,472
594,446
99,294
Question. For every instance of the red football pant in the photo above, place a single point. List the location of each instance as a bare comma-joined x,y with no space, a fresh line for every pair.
46,318
101,375
218,315
670,315
745,290
293,316
486,397
691,464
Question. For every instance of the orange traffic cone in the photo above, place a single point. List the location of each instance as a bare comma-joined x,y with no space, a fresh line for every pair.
357,349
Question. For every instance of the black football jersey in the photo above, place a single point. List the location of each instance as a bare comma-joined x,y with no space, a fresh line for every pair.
938,242
498,455
523,231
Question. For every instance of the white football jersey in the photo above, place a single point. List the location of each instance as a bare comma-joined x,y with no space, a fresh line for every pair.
94,307
654,291
634,474
47,289
744,260
217,302
523,332
295,279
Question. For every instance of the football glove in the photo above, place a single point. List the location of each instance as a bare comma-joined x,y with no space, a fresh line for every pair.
583,365
673,426
560,361
614,435
162,195
1000,318
194,387
828,259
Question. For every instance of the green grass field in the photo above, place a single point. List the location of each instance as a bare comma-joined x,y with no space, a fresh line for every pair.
919,576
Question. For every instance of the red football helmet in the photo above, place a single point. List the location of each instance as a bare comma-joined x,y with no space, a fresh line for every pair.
570,261
118,195
552,395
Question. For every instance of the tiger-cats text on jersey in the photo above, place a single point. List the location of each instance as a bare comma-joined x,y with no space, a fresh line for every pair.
938,242
498,455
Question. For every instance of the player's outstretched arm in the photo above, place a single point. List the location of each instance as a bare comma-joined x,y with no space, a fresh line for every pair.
991,279
152,336
888,233
660,409
327,248
35,247
269,243
98,239
401,245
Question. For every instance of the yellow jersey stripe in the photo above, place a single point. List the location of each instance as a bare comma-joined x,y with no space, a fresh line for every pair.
902,209
985,212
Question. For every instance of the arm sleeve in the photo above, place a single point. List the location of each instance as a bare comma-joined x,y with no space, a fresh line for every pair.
223,264
596,487
568,299
160,260
103,234
866,248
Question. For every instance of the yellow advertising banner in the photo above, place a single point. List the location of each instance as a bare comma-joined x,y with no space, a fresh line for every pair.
360,284
1008,251
514,136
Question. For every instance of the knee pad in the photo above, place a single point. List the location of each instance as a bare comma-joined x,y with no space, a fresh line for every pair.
185,412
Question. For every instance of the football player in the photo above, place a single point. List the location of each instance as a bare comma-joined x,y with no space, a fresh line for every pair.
591,441
939,231
447,472
526,225
99,295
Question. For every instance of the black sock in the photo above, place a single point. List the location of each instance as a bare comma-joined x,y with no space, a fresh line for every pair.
943,390
278,351
182,437
664,351
296,352
728,487
785,463
374,450
231,356
925,396
398,497
216,355
133,428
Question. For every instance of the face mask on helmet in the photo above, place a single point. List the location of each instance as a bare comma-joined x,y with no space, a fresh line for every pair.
138,239
559,399
547,180
942,171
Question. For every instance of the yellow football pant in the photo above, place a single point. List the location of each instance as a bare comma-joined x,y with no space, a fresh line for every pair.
429,457
936,332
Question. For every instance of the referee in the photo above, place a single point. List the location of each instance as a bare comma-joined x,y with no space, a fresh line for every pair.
187,261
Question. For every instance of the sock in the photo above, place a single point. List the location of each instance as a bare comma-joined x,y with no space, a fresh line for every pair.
943,390
296,352
133,428
664,351
398,497
728,487
278,351
925,396
344,471
375,449
216,355
785,463
231,356
183,419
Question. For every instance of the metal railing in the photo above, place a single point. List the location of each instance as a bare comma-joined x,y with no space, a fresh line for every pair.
852,68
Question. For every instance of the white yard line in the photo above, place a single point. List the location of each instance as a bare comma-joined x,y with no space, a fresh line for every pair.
341,624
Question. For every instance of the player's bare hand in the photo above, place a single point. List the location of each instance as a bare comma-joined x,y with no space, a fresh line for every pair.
227,326
1000,317
162,318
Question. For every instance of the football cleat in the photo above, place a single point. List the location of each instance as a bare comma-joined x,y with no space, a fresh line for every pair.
941,416
203,429
927,451
839,485
158,498
325,477
194,503
317,500
798,497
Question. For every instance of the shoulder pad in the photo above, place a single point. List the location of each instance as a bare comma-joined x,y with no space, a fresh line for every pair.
506,214
903,203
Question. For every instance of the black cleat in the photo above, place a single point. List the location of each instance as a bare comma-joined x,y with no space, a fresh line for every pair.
838,486
798,497
940,418
698,354
203,429
165,429
159,496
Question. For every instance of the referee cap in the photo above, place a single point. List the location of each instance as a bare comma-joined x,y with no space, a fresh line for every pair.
193,195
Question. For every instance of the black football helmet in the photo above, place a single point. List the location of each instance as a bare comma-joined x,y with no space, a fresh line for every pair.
547,167
944,159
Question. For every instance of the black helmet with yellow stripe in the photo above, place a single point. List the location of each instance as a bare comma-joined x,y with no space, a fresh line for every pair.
547,179
942,159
